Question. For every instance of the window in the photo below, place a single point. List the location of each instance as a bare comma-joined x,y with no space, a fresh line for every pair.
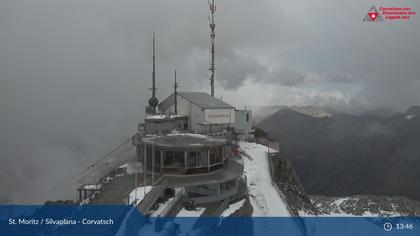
157,158
192,160
215,156
169,158
179,159
247,117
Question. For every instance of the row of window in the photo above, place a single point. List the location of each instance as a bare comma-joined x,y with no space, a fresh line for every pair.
176,159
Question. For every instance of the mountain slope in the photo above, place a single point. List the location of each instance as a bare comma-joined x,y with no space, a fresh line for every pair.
366,205
346,155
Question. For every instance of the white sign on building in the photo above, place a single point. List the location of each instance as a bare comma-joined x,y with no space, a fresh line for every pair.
219,116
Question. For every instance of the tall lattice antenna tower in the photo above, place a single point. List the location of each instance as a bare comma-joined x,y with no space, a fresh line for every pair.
212,36
153,101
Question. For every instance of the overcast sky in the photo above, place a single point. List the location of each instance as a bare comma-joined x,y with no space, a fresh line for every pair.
74,73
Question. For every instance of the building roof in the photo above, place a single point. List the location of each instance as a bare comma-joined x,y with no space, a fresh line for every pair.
201,99
204,100
170,117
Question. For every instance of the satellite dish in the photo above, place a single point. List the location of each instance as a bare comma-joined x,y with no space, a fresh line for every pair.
153,102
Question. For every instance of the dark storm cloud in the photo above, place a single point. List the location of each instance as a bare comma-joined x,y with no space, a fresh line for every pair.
372,65
74,74
234,69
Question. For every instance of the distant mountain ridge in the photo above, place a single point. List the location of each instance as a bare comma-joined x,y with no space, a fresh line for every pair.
344,154
262,112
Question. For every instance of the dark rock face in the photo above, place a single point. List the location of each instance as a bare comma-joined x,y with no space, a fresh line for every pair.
245,210
290,185
367,205
347,155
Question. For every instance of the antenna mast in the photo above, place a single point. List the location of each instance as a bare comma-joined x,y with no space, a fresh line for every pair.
212,36
153,101
175,95
154,68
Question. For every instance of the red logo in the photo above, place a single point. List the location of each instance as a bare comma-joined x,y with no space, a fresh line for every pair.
373,15
389,13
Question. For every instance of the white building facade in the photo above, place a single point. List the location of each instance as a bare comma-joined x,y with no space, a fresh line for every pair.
243,123
206,114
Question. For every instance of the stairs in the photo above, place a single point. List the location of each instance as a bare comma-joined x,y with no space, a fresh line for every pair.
151,197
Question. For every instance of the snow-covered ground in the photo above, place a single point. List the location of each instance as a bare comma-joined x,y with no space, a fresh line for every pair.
340,207
233,207
264,198
194,213
138,194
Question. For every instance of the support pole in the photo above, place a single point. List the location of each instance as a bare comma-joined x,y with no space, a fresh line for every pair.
185,161
153,163
145,168
175,95
161,162
222,153
136,176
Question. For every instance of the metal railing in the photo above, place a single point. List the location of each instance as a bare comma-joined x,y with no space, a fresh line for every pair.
151,197
168,209
268,143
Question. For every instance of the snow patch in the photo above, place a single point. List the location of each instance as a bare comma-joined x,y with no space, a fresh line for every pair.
193,213
137,195
92,186
123,166
233,207
156,117
264,197
188,135
409,117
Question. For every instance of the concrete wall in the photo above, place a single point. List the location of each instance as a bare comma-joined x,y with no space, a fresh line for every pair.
243,123
183,107
210,192
165,126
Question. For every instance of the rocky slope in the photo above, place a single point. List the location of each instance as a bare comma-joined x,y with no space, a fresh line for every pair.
289,184
366,205
303,204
